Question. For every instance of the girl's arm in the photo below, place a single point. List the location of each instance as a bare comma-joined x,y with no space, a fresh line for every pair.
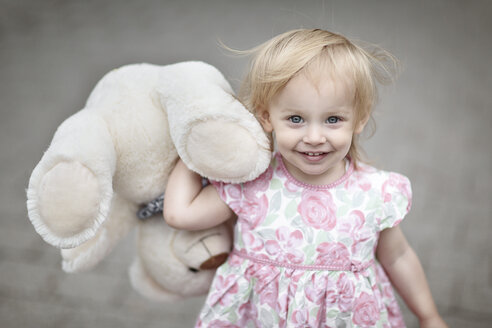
405,272
188,206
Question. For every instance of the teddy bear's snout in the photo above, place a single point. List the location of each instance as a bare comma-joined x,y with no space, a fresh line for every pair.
214,262
207,251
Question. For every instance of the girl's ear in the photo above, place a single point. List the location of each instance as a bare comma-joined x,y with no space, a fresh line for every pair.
361,124
264,118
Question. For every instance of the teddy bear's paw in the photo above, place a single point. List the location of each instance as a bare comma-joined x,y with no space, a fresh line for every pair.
230,153
68,201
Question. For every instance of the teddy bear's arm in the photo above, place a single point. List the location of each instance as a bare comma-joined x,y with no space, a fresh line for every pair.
70,190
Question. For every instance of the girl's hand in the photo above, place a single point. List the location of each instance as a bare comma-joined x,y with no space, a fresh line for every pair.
433,322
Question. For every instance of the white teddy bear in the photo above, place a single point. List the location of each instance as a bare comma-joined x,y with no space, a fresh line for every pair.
116,154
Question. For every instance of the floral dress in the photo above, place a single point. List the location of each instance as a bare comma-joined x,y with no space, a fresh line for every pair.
304,255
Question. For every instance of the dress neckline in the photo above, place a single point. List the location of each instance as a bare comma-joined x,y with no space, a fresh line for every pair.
348,171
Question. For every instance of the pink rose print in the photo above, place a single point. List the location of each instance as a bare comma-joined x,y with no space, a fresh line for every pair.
291,186
220,188
260,184
346,290
319,289
360,246
235,206
248,312
224,289
364,183
333,254
280,171
401,184
266,284
268,293
317,209
253,210
233,191
286,247
350,182
366,310
231,194
293,276
235,260
263,273
394,315
353,224
301,318
251,242
222,324
360,180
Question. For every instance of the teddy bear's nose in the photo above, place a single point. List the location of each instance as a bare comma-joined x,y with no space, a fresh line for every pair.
214,262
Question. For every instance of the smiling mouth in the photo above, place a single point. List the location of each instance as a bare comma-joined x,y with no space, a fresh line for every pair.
313,156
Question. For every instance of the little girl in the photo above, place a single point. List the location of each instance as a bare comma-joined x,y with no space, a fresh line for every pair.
317,241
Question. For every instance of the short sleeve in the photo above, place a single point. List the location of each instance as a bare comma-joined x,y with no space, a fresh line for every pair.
396,193
230,193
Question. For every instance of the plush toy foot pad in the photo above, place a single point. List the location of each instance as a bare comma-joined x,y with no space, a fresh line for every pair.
69,198
230,149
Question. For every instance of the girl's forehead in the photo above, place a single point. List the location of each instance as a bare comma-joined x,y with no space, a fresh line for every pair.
303,92
326,82
339,75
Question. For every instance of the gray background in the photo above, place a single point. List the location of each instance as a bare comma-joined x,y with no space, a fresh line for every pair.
434,125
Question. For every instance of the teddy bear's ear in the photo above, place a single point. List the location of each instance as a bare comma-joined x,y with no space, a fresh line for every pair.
214,134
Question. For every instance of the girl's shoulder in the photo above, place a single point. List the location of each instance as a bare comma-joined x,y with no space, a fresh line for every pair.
379,177
392,190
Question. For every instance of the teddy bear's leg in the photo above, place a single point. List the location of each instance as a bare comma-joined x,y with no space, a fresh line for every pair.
175,264
224,150
120,221
214,134
230,146
70,190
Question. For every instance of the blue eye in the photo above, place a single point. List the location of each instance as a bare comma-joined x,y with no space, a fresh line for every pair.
333,119
296,119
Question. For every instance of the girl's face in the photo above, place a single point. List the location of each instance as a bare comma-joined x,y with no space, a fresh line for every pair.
314,126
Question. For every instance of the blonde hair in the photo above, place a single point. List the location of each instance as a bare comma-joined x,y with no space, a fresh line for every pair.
275,62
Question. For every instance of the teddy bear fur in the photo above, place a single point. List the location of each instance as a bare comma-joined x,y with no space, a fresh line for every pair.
116,154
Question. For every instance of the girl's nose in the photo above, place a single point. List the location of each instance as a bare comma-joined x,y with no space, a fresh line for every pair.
314,136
